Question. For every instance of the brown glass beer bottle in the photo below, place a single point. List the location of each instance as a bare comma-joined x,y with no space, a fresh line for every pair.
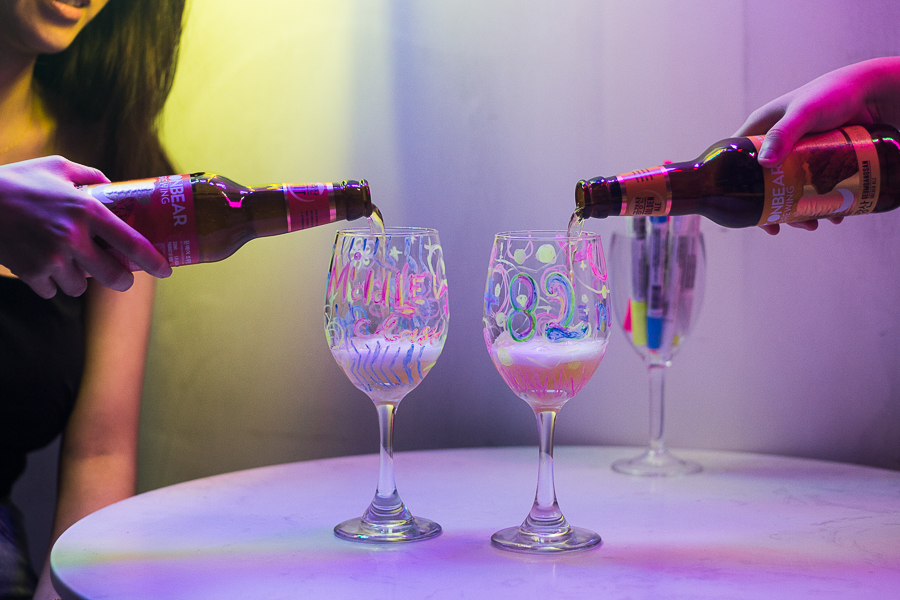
204,217
853,170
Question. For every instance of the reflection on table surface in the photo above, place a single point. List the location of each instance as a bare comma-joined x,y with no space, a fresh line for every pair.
748,526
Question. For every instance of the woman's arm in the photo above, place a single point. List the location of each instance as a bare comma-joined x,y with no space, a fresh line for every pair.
99,450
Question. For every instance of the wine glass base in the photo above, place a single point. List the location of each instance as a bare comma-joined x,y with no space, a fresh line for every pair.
413,530
656,463
516,539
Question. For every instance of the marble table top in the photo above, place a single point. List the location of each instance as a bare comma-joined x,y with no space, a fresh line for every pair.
748,526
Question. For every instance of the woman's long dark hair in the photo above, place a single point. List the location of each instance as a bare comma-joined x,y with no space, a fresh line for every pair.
114,80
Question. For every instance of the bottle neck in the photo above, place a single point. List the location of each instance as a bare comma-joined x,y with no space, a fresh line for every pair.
282,208
353,200
309,204
594,198
312,204
648,192
227,214
727,168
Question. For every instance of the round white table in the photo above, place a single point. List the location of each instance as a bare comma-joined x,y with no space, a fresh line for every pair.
748,526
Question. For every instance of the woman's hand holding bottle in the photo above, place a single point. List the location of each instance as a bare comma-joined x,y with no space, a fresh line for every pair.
49,230
860,94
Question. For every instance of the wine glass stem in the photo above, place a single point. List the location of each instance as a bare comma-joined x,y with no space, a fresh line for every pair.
386,485
386,506
545,513
657,376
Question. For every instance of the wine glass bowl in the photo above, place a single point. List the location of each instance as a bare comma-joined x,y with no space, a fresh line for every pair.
660,270
386,319
546,326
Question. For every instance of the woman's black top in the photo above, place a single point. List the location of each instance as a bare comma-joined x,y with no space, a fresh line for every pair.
41,361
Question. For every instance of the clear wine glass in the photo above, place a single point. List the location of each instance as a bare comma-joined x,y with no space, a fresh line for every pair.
546,325
386,319
660,270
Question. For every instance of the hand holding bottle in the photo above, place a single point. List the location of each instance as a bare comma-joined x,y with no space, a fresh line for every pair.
862,94
49,230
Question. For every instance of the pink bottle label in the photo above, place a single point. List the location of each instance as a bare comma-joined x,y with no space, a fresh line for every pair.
161,209
309,204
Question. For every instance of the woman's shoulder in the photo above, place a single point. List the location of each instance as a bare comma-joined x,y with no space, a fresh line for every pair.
50,132
79,142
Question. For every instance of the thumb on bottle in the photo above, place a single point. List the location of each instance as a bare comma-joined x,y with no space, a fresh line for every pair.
784,134
774,148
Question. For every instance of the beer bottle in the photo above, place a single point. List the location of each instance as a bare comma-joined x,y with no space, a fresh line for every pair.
852,170
204,217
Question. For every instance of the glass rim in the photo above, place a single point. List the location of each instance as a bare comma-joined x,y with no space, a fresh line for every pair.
366,232
543,234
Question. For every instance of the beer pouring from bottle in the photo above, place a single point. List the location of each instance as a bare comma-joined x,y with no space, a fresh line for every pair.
854,170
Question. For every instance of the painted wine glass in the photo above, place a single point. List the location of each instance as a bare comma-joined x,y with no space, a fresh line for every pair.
546,325
386,318
661,269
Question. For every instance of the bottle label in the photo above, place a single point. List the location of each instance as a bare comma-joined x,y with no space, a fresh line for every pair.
832,174
309,204
645,193
160,209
